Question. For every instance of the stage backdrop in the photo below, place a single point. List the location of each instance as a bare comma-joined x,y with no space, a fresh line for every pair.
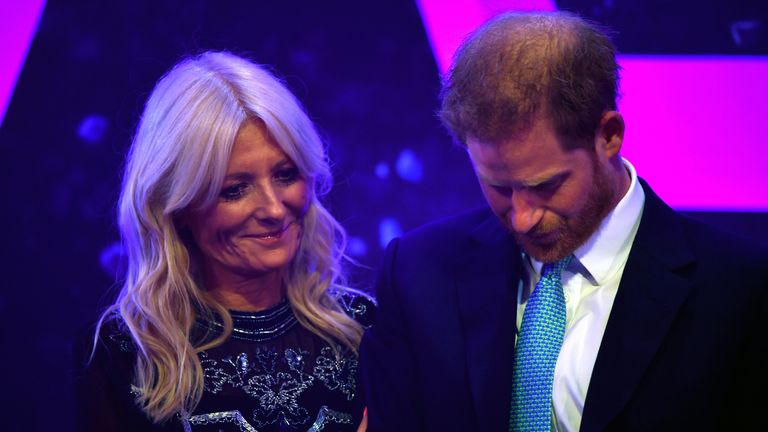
369,78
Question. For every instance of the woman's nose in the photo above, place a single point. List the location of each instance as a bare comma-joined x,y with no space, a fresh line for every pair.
268,204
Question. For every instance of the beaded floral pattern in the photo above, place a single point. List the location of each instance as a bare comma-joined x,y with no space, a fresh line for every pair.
277,381
273,374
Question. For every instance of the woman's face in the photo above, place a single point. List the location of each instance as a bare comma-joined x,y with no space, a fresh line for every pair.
254,227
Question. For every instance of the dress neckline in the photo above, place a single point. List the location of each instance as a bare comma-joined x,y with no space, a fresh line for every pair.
259,326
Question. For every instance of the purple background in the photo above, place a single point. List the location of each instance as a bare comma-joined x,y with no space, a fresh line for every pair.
368,78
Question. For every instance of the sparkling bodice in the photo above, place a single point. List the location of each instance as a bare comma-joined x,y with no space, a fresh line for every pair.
272,374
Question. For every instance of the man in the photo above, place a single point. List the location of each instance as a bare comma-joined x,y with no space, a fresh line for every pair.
643,319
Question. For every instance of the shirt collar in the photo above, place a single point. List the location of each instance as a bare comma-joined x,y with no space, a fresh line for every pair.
608,247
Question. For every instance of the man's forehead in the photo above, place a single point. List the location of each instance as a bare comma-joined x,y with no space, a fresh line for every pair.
528,164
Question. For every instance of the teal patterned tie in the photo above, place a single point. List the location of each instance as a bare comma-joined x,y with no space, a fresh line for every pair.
538,345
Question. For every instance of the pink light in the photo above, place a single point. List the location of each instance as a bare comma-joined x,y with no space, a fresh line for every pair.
446,29
448,22
694,124
695,129
18,22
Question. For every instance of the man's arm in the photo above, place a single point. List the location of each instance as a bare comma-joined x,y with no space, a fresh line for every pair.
389,381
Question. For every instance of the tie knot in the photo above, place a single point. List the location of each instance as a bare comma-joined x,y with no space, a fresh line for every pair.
555,269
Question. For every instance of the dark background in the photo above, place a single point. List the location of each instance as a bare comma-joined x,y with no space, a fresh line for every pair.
364,71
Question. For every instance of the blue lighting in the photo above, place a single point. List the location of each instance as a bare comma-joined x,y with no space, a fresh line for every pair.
382,170
389,228
409,167
112,259
356,247
93,128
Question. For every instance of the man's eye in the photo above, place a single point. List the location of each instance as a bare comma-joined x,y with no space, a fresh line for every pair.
287,175
548,187
545,186
502,190
234,192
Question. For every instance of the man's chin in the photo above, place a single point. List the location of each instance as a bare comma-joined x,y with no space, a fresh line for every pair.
544,252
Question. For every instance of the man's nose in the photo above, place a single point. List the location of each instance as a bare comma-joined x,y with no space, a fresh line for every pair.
525,213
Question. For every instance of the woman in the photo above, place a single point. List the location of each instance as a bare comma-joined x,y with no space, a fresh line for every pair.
233,314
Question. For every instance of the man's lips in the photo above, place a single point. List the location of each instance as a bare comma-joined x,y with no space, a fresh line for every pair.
540,237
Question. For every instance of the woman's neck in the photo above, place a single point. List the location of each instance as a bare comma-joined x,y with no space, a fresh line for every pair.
247,294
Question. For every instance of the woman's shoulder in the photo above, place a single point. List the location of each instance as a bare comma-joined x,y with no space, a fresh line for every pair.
104,352
104,395
358,305
108,342
114,335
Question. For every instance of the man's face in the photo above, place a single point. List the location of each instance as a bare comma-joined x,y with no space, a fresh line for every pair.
552,200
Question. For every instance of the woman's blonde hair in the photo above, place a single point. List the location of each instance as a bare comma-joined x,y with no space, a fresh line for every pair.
177,163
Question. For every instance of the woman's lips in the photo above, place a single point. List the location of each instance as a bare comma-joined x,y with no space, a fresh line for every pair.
272,234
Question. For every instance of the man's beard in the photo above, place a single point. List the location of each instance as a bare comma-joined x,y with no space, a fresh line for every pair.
550,243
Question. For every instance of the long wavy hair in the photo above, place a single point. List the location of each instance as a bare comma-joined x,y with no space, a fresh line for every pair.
177,163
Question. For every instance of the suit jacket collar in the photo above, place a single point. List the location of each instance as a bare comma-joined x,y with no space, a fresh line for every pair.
650,293
487,280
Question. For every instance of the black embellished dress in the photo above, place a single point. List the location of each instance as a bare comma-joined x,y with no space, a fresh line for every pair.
272,374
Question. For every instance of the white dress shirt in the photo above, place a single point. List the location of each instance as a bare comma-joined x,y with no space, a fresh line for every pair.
590,284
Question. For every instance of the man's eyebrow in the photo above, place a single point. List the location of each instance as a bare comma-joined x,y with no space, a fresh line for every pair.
530,183
493,182
545,179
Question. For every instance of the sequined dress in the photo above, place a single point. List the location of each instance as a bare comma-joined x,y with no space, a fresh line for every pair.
272,374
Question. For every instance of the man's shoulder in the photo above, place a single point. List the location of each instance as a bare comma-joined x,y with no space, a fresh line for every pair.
661,226
447,242
730,250
449,230
715,253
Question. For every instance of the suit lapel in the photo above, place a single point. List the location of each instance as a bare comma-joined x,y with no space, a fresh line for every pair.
650,293
487,281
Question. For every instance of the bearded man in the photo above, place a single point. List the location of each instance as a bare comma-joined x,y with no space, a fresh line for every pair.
577,300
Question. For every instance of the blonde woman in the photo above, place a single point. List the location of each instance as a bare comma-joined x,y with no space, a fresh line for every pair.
233,314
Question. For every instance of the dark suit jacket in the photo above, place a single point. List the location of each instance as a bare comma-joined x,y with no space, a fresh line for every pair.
684,349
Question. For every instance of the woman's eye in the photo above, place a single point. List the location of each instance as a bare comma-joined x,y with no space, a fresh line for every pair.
234,192
287,175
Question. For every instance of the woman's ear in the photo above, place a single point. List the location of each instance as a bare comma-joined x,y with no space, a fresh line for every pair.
181,224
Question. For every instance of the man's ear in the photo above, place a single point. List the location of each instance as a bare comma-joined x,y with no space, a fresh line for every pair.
610,135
